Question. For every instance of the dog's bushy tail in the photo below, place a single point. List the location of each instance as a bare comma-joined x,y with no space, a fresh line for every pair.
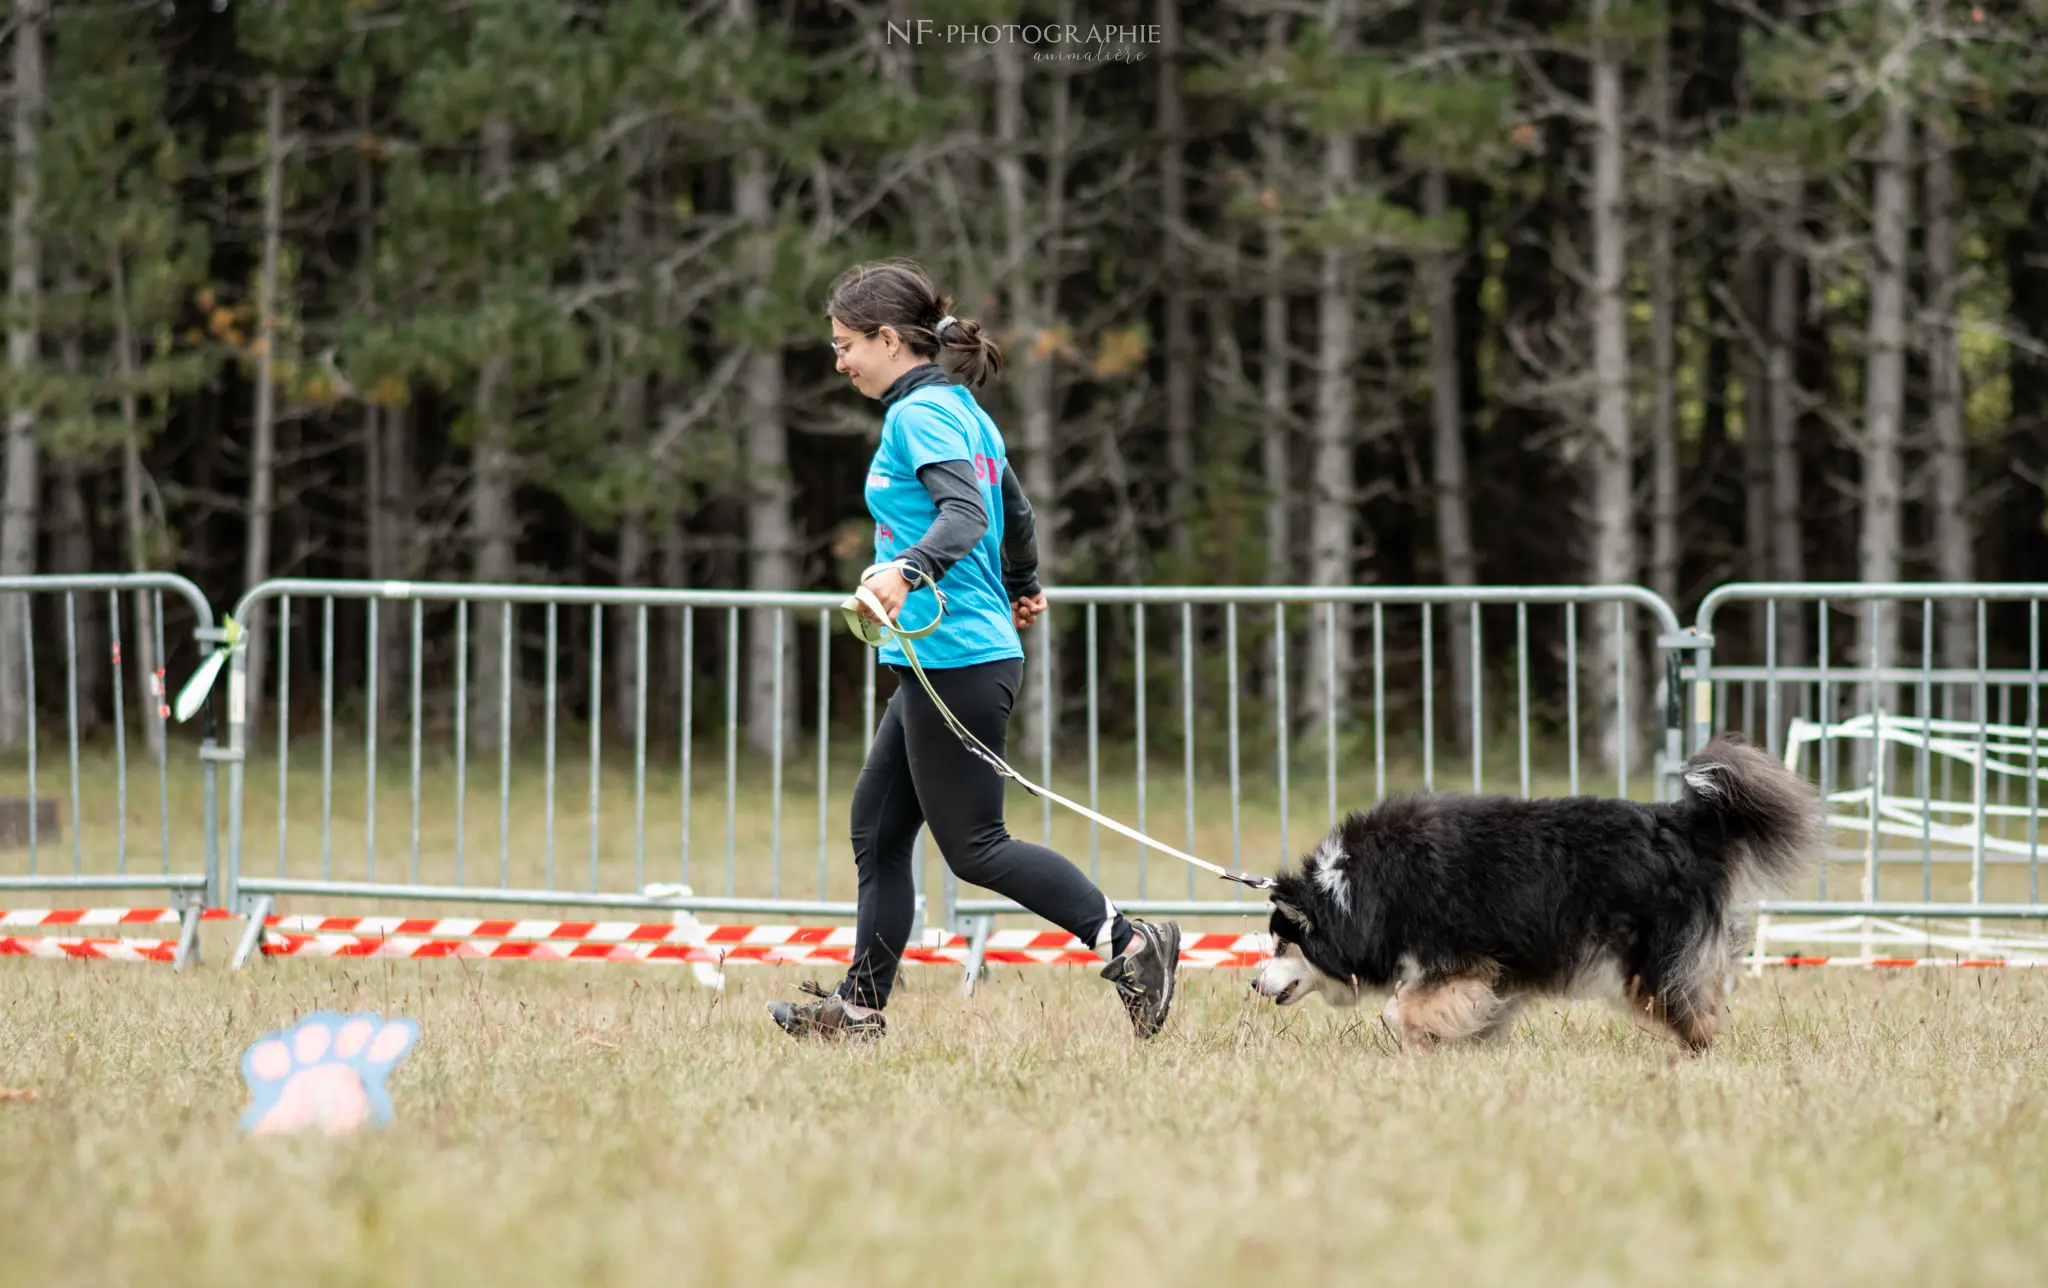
1769,817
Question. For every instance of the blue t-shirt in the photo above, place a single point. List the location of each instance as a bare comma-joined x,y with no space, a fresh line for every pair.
932,424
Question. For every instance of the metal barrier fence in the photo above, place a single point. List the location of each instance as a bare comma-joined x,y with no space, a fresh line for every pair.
1917,708
479,627
100,641
1413,650
693,750
545,673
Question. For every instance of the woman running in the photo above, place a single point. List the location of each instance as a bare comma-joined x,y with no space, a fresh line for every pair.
949,512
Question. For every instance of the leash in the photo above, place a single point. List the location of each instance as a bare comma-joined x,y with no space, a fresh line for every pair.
876,630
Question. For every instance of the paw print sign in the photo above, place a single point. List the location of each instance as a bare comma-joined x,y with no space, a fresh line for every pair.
325,1074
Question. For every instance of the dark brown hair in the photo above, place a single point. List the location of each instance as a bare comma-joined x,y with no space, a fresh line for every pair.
898,293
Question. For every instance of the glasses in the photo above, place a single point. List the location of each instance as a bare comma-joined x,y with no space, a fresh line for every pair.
839,347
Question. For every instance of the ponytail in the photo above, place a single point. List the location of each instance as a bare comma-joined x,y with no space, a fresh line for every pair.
979,357
898,293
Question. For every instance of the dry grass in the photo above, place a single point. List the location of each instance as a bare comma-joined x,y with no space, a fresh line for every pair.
617,1125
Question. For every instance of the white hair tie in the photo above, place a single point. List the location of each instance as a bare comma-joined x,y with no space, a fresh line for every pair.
944,322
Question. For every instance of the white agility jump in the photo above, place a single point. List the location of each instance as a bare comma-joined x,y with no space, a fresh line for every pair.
2011,752
1974,829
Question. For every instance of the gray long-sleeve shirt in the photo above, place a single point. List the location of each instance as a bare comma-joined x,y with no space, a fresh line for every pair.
963,521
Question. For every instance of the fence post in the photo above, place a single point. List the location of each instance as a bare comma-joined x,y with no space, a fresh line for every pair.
210,755
230,893
1693,707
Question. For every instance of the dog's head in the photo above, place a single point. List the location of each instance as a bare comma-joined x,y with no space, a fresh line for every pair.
1308,912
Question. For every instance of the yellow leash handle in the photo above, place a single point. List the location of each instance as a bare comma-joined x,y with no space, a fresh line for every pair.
875,631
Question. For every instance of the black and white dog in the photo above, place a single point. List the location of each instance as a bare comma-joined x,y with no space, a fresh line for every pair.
1467,907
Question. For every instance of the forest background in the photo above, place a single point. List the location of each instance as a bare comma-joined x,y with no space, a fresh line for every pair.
1354,293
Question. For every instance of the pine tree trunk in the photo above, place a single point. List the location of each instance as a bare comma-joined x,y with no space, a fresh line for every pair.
71,550
376,541
20,495
1884,390
675,573
139,638
1752,293
1787,537
493,522
1447,458
1276,395
385,462
1614,559
1331,511
1663,340
627,676
394,501
1032,359
390,616
1180,356
626,672
1954,554
770,535
71,553
256,565
771,558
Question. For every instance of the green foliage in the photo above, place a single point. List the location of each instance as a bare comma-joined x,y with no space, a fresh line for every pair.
607,277
1374,223
1465,123
119,248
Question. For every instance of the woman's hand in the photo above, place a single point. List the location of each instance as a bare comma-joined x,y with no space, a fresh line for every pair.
888,586
1026,610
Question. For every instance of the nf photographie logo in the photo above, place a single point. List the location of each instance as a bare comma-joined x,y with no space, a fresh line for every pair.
1049,42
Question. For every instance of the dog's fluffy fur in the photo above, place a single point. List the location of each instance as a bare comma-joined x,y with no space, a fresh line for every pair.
1467,907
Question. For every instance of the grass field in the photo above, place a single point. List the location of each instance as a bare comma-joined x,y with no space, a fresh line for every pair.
605,1125
619,1124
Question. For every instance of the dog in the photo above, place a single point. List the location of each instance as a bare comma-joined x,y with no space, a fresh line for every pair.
1466,908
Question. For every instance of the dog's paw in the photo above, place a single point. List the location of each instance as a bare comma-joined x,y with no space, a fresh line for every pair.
325,1074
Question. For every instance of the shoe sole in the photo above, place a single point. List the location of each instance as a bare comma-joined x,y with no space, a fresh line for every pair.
1170,933
1168,942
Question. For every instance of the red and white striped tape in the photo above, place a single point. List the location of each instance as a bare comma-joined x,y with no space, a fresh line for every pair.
1888,963
594,932
626,941
92,948
101,916
114,950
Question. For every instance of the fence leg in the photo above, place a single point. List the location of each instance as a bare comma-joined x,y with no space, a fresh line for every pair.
188,936
1681,702
252,933
1763,934
978,930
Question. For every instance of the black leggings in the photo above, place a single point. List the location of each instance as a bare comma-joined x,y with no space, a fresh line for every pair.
918,773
